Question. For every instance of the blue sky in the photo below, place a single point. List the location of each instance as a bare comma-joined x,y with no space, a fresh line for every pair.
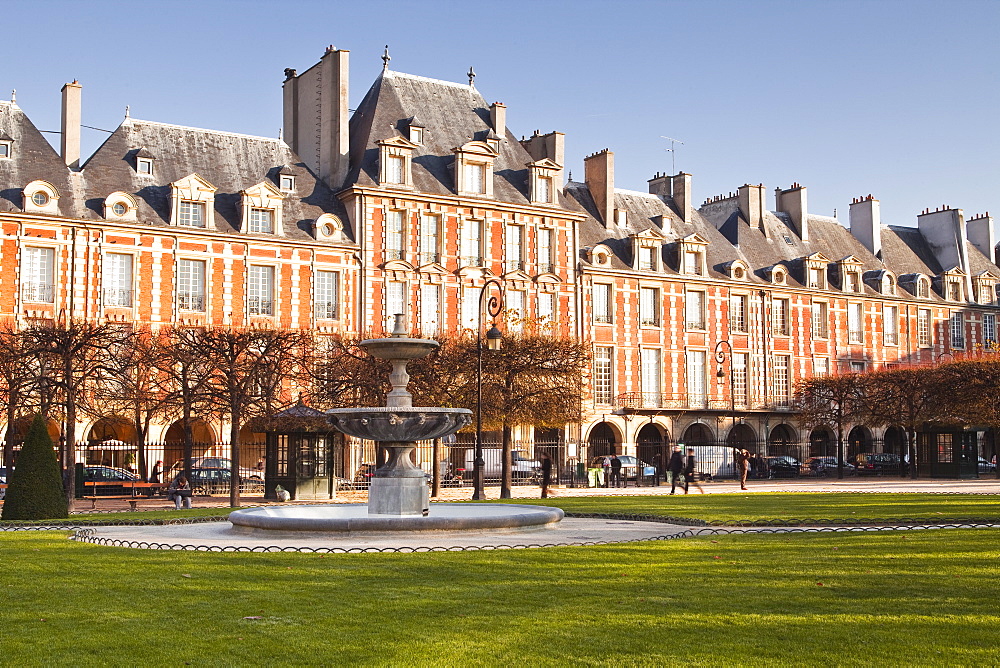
896,99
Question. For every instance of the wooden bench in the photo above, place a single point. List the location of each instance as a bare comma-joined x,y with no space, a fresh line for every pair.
131,497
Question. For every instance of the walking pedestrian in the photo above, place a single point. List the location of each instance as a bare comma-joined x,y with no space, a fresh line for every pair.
742,460
690,467
616,471
546,462
675,468
157,470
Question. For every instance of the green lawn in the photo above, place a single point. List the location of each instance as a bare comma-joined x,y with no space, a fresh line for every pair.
789,506
913,598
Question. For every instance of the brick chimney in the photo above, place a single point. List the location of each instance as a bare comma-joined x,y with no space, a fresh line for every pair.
866,223
681,188
661,185
979,230
944,232
316,116
793,203
599,174
752,203
551,146
498,118
72,94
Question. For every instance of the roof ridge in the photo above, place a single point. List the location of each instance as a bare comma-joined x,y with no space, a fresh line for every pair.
626,191
404,75
134,120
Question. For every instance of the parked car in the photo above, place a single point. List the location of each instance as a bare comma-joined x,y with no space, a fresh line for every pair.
986,466
825,466
878,463
206,481
522,468
783,466
3,481
215,463
108,474
630,467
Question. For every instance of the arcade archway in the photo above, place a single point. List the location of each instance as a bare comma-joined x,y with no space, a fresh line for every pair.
822,443
782,441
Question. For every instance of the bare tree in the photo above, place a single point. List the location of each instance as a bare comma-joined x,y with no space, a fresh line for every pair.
186,374
971,393
19,374
832,400
72,354
250,373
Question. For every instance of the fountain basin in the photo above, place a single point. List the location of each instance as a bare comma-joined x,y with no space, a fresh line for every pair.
354,518
400,424
399,348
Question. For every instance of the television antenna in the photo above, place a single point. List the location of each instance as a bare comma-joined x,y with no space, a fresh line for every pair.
673,153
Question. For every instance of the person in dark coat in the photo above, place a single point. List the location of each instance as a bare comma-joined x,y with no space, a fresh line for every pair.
675,469
616,471
690,466
742,460
546,464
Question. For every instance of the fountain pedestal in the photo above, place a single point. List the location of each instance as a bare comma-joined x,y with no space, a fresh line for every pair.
399,487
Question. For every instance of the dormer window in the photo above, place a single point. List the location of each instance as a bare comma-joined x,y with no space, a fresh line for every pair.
851,281
193,198
541,176
889,285
692,250
474,168
395,156
778,276
286,182
692,262
954,291
40,197
120,206
923,287
6,146
985,289
647,259
494,143
416,135
144,166
261,209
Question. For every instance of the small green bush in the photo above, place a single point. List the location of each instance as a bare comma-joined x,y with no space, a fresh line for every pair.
35,489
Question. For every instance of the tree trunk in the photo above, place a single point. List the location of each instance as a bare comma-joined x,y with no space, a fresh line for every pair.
506,472
70,455
911,449
8,443
840,452
234,448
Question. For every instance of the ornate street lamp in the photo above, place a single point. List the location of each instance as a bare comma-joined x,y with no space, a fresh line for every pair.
494,305
723,349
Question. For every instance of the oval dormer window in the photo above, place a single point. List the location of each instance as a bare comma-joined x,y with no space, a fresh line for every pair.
40,198
119,209
738,272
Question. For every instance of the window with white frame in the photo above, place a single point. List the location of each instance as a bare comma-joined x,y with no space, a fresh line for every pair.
855,323
957,330
430,239
693,262
890,325
144,166
694,310
546,306
395,303
603,365
649,376
989,330
38,271
191,285
261,221
416,134
117,280
260,290
739,387
545,265
647,258
327,302
821,366
544,189
817,278
602,303
470,307
923,287
649,307
782,381
6,148
779,317
515,309
472,243
395,169
852,282
430,309
394,226
514,250
889,284
738,310
820,320
191,214
924,328
475,177
697,391
286,182
857,367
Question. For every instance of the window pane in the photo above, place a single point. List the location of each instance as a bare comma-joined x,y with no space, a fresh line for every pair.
260,290
191,285
394,169
855,333
649,307
545,250
430,307
514,250
957,330
924,327
472,243
470,307
546,306
261,221
603,357
782,387
602,303
430,239
191,214
649,361
395,302
38,275
695,310
738,313
697,396
890,325
394,236
118,280
327,304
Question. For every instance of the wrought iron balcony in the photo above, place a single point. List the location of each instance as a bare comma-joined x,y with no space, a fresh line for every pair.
326,310
514,265
260,306
471,261
430,258
43,293
190,302
117,297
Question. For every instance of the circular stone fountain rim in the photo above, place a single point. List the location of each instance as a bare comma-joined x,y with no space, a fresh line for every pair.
398,409
347,518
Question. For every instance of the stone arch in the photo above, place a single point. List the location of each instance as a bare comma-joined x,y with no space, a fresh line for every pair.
894,441
822,443
743,437
173,441
21,426
698,433
652,445
859,440
781,441
604,439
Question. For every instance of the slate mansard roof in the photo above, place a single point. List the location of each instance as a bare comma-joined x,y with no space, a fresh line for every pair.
230,162
451,114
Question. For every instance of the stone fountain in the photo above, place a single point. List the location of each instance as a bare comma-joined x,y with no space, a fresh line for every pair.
398,499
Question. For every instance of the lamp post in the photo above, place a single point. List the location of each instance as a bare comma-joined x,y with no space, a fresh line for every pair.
494,305
723,349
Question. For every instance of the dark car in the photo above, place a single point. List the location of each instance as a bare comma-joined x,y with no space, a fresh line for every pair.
109,475
878,463
783,466
207,481
630,466
825,466
986,467
214,463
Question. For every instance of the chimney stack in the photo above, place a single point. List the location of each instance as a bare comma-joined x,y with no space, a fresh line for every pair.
498,118
72,94
752,204
681,193
662,185
980,232
793,203
316,116
866,223
599,174
944,232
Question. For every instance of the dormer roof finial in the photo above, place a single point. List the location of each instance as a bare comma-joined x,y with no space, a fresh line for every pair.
386,58
472,77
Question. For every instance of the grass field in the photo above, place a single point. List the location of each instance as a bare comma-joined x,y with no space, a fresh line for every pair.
913,598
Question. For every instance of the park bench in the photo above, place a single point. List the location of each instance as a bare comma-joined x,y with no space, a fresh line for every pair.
131,486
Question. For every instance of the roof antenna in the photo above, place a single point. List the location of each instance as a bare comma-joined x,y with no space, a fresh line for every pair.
385,59
472,77
673,153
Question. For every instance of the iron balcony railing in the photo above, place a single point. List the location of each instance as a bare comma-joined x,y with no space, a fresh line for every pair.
395,254
43,293
190,302
471,260
326,310
260,306
117,297
662,400
430,258
546,268
515,265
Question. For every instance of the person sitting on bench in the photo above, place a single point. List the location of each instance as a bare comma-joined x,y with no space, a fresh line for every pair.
179,490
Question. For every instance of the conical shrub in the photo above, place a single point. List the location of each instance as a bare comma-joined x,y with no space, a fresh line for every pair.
34,487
